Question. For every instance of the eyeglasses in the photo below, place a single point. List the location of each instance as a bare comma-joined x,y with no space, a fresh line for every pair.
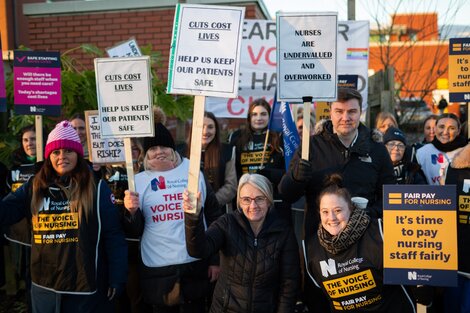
258,200
399,146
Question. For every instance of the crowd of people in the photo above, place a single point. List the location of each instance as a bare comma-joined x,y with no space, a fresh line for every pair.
82,242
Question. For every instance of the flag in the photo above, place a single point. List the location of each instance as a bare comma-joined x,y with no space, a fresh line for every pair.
281,121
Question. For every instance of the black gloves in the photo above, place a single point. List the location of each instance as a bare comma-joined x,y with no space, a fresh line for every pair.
302,171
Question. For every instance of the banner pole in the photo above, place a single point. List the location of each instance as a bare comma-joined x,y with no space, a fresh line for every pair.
196,147
39,138
264,149
306,127
129,164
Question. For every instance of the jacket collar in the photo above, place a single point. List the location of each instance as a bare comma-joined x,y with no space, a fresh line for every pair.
362,144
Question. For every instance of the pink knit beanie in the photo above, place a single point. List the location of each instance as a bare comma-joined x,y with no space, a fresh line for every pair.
63,136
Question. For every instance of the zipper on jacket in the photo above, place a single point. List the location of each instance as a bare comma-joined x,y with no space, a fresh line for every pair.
255,244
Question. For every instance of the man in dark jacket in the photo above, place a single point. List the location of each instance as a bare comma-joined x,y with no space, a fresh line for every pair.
340,145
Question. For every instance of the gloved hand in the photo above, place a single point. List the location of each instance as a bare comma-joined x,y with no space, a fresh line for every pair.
114,291
302,171
423,294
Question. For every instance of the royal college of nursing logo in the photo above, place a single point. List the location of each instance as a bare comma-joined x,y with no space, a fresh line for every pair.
158,184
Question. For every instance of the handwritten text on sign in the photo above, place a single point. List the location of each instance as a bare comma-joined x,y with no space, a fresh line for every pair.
205,51
124,97
306,59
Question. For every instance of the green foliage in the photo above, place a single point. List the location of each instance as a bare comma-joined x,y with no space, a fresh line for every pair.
79,94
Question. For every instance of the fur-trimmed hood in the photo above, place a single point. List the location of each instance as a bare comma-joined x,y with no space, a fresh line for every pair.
321,126
462,159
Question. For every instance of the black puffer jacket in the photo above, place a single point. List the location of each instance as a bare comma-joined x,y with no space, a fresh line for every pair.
258,274
365,167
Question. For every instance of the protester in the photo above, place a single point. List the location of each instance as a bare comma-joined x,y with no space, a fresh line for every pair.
442,105
78,123
435,157
250,144
171,280
259,252
348,245
218,162
300,123
74,225
457,299
341,145
406,172
116,177
3,191
429,129
384,121
24,167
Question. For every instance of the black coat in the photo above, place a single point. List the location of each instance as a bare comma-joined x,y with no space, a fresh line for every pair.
365,167
258,274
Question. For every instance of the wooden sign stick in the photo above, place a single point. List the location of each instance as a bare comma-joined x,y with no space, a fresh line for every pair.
129,164
39,138
306,127
196,147
264,149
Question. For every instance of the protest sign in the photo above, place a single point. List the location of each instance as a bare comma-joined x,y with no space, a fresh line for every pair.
347,81
258,64
420,235
102,151
128,48
322,111
204,55
306,58
124,97
459,70
37,83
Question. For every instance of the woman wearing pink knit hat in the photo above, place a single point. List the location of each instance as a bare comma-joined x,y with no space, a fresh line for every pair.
74,223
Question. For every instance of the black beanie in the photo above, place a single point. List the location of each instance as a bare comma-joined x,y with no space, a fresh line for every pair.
394,134
162,138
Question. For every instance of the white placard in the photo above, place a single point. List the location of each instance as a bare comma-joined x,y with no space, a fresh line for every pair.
102,151
124,97
205,50
306,60
128,48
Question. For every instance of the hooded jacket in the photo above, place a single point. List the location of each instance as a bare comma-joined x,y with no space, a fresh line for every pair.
458,173
365,167
259,274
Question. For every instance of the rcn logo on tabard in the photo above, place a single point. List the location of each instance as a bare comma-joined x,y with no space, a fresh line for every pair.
437,158
158,184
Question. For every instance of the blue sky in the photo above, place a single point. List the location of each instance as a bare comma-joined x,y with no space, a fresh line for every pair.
455,12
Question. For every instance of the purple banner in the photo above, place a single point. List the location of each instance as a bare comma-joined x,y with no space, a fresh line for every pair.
37,83
3,91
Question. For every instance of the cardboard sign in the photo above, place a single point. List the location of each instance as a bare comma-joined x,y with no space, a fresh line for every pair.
322,111
37,83
102,151
459,70
347,81
205,50
124,97
128,48
420,235
306,59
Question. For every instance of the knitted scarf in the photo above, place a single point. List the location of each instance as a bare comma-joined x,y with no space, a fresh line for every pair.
458,142
355,228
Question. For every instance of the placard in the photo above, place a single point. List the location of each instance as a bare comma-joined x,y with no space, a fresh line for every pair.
37,83
102,151
420,235
459,70
306,59
128,48
124,97
205,50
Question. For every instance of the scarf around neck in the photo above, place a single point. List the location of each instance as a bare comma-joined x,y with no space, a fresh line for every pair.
355,228
458,142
